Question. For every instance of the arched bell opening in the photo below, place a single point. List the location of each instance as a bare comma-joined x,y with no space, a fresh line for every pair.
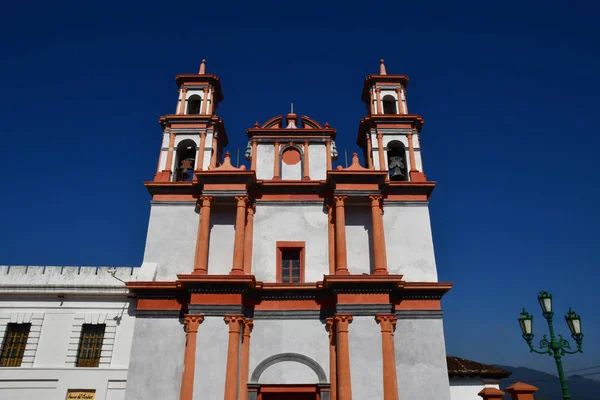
185,161
389,104
396,154
194,104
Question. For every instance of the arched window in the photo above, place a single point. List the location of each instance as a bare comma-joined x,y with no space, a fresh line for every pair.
397,161
194,104
389,104
185,160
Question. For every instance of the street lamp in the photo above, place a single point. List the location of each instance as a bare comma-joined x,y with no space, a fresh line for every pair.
553,347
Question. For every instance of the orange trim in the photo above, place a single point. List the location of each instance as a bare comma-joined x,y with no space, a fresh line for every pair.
169,164
238,244
407,197
248,238
344,383
378,237
183,101
159,304
408,304
233,356
213,157
369,152
253,162
371,102
281,247
205,102
363,298
379,108
328,153
288,305
399,101
289,196
174,197
382,166
245,362
201,257
331,238
216,298
411,153
306,162
332,358
276,161
291,156
189,357
201,151
390,382
341,267
357,186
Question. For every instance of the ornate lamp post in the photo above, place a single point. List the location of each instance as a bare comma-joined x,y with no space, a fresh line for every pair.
553,347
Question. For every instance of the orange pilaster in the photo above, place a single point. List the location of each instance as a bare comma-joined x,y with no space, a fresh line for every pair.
233,353
331,238
201,147
248,239
210,107
378,237
276,161
399,101
369,151
253,162
328,152
191,323
213,158
332,358
183,101
387,322
379,108
201,257
344,385
205,101
245,362
382,166
169,163
341,267
238,245
372,105
411,153
306,169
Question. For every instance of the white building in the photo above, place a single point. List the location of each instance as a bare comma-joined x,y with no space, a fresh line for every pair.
288,278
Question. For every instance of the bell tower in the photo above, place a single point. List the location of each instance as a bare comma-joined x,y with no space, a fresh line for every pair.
194,136
389,135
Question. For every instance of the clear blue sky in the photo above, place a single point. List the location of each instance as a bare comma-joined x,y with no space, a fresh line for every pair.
509,93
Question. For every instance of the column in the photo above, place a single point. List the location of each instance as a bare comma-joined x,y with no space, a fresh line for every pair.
331,237
238,245
341,267
169,164
399,101
306,169
382,166
378,236
387,322
253,162
245,362
328,152
378,93
183,101
248,239
205,101
344,384
332,358
233,353
371,102
191,323
411,152
213,157
276,161
369,151
200,155
201,257
404,104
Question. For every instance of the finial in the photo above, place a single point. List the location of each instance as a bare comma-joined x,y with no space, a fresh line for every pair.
382,68
292,111
326,124
202,67
227,155
256,124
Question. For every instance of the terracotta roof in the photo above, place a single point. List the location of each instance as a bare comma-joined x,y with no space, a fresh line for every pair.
459,367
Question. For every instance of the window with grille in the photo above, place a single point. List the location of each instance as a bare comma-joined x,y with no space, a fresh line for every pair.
290,262
13,346
90,345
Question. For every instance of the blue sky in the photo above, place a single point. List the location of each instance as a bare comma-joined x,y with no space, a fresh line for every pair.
509,93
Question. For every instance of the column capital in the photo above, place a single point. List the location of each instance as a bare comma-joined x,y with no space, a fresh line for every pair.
203,134
342,321
248,326
387,322
206,89
376,200
241,200
171,135
192,322
377,90
379,135
205,200
184,89
339,199
234,322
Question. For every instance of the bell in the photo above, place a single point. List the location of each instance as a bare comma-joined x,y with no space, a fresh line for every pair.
397,169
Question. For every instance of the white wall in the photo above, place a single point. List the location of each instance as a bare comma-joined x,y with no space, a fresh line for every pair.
366,363
211,359
291,172
289,222
359,224
317,161
467,388
171,238
221,240
264,160
409,241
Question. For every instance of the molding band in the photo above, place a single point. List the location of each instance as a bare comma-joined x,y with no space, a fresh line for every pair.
419,314
363,309
215,310
158,313
294,357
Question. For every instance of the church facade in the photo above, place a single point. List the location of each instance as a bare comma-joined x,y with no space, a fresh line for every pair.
287,279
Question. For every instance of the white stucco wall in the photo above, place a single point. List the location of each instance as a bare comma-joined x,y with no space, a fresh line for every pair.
467,388
409,241
211,359
317,161
421,367
306,337
291,172
366,364
221,242
289,222
264,161
359,225
171,238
